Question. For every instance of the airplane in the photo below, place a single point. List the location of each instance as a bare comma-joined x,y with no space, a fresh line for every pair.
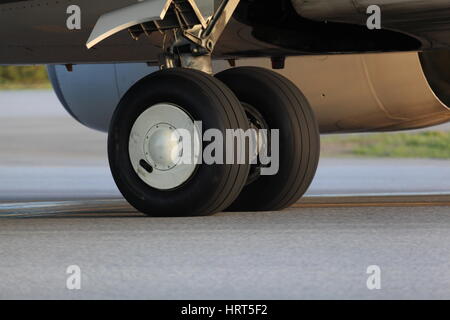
145,70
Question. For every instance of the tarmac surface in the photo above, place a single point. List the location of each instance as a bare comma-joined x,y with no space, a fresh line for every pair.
59,207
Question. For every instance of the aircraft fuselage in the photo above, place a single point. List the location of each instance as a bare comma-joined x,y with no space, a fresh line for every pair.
36,31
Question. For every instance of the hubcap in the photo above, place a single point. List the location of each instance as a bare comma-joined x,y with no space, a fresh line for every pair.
164,146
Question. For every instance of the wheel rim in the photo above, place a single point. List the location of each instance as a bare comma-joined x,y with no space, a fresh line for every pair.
256,122
164,146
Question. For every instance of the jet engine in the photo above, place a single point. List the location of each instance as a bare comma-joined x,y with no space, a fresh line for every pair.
349,93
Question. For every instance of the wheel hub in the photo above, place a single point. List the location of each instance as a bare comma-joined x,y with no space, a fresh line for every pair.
260,142
163,147
157,146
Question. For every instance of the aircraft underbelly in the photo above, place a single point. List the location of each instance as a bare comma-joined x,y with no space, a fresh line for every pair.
427,20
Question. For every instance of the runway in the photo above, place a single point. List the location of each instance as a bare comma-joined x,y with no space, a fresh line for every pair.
59,207
120,208
319,249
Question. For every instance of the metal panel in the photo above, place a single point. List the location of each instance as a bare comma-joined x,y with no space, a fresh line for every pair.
364,93
121,19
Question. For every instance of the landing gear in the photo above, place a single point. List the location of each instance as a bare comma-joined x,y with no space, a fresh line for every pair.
145,144
273,102
147,139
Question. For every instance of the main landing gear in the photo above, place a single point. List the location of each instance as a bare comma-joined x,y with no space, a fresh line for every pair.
167,117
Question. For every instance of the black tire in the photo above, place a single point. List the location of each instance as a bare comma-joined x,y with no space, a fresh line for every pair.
283,107
212,188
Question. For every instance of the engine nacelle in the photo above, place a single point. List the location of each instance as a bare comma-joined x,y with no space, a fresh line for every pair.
91,92
349,93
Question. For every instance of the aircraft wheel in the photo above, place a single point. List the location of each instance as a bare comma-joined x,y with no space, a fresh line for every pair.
147,143
273,102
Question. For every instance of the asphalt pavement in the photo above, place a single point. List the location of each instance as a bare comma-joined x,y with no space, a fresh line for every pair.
59,207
